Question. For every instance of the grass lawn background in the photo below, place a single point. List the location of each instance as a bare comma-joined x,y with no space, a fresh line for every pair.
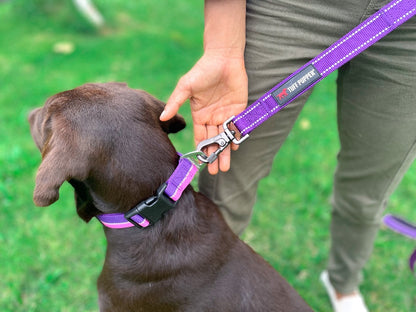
50,259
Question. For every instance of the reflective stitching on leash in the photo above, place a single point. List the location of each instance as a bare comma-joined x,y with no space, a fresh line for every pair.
367,42
393,5
347,38
254,107
355,50
334,64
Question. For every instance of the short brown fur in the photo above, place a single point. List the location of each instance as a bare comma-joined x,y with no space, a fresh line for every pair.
107,141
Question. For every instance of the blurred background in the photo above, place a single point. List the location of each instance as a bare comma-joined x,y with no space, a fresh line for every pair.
50,259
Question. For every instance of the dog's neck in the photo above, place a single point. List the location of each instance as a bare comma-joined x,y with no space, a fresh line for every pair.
118,188
163,248
178,218
146,252
173,224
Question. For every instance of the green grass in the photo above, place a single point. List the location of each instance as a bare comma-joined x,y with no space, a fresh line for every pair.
50,259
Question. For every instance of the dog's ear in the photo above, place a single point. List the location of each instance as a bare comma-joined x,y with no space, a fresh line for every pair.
59,163
48,181
173,125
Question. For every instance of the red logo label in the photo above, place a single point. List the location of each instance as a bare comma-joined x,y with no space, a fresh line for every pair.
282,94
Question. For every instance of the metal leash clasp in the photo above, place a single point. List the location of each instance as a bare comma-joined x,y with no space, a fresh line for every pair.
222,140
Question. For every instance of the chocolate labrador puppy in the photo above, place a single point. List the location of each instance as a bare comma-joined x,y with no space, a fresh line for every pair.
106,140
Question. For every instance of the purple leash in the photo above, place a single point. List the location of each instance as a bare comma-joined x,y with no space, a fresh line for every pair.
353,43
405,228
356,41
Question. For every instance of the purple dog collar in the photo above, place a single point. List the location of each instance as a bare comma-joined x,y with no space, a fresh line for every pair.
357,40
181,178
118,221
151,210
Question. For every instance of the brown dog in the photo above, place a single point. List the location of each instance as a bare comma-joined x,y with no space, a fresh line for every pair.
107,141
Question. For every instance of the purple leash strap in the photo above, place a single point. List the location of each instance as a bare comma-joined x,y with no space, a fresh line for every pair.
405,228
357,40
400,226
412,260
353,43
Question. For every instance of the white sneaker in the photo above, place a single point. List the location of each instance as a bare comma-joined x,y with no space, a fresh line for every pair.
353,303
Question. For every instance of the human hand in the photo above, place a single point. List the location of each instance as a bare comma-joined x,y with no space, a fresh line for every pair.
217,89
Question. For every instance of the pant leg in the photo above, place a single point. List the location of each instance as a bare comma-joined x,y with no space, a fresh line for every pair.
282,35
377,128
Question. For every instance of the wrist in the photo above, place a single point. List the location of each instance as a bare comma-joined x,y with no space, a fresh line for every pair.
225,53
224,31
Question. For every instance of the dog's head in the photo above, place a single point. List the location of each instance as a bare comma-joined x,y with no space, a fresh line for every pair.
107,141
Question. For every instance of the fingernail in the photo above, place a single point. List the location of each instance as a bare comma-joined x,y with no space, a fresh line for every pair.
162,115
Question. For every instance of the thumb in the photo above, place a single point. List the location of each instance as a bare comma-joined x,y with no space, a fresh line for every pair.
181,93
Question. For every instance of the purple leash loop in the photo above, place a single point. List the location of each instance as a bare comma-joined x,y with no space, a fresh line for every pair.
353,43
405,228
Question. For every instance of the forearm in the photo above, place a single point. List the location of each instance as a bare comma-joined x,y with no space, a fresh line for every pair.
225,22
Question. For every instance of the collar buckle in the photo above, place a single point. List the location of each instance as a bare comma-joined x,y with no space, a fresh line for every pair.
151,209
